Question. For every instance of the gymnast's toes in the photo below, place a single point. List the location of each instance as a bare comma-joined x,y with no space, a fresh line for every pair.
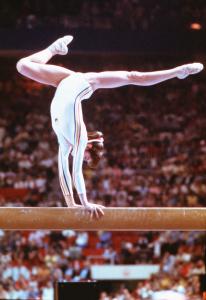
189,69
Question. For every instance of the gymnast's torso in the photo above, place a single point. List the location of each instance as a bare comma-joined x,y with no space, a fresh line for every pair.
66,110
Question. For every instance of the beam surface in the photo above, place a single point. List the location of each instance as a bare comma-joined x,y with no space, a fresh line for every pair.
115,219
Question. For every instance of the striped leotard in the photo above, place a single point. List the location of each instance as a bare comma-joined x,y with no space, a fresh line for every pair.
68,124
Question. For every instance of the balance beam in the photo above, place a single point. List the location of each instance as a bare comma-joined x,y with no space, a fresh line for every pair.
115,219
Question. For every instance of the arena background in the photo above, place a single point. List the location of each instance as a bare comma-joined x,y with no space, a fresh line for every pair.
155,145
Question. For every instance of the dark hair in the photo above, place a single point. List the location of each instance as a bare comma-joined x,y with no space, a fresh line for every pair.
95,148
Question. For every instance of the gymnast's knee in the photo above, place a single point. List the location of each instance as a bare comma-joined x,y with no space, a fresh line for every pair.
21,66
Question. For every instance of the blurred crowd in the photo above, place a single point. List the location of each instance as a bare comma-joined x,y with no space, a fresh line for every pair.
26,161
155,155
160,287
32,261
107,14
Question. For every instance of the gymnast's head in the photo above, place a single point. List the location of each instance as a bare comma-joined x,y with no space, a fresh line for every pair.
94,150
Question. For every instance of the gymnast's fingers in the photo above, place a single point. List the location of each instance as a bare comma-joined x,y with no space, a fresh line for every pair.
91,214
100,211
96,213
101,206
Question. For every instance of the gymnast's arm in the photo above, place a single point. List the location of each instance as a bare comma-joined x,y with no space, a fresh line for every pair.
95,210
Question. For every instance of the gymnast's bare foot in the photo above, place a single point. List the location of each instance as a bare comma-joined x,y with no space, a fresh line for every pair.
60,46
189,69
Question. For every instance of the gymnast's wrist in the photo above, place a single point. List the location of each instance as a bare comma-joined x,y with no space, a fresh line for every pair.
83,199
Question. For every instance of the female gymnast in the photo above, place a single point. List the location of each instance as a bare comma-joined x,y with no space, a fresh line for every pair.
66,111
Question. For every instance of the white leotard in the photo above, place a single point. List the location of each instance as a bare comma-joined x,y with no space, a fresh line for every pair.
68,124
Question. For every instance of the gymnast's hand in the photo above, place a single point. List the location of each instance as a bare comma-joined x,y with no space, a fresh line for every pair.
95,210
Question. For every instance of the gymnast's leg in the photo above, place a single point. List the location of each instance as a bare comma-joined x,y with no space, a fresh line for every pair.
113,79
35,67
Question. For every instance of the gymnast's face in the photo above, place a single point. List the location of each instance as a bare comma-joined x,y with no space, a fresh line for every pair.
93,153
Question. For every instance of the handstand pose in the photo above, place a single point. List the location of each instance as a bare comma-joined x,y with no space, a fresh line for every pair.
66,111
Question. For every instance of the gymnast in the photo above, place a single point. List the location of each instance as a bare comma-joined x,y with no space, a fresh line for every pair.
66,111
